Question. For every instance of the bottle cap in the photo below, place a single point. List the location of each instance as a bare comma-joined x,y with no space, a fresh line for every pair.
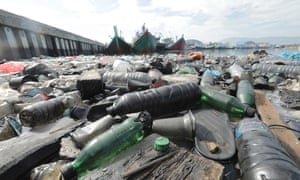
146,119
161,144
250,111
68,172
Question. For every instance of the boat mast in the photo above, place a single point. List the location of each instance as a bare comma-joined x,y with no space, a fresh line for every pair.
116,38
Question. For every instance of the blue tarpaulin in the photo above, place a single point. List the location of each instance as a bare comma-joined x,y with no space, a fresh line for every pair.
291,55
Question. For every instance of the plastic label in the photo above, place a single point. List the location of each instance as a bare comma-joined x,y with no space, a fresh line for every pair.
249,126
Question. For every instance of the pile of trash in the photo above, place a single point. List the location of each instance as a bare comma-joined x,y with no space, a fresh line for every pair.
147,117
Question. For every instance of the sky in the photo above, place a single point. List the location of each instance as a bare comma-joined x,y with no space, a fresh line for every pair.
204,20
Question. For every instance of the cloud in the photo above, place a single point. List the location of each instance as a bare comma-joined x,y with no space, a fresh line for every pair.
198,19
143,3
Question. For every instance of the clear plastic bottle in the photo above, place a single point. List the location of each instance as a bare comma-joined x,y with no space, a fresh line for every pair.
81,136
120,79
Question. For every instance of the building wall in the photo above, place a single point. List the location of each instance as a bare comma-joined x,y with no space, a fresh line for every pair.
21,37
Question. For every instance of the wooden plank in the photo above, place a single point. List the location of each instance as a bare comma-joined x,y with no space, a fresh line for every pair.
271,116
21,154
142,162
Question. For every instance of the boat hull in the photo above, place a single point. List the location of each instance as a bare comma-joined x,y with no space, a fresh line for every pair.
146,43
118,46
178,45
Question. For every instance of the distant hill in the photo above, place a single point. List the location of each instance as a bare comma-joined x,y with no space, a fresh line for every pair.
194,43
271,40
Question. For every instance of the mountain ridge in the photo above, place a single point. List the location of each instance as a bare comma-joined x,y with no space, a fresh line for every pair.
271,39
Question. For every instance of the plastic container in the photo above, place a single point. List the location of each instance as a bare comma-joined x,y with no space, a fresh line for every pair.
121,78
182,127
224,102
289,71
207,78
81,136
42,112
159,101
260,154
245,93
90,84
105,147
235,70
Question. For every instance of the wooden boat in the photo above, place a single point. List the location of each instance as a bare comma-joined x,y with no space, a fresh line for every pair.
160,46
145,43
118,45
178,45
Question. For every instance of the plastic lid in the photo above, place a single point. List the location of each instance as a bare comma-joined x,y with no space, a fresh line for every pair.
161,144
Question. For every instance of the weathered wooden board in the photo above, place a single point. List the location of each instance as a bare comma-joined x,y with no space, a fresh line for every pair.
270,116
141,161
21,154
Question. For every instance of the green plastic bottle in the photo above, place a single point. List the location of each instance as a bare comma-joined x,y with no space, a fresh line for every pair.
224,102
105,147
245,93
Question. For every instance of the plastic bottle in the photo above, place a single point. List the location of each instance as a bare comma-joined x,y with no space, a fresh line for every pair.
260,154
16,82
224,102
207,78
121,78
247,75
289,71
235,70
162,100
82,136
105,147
245,93
42,112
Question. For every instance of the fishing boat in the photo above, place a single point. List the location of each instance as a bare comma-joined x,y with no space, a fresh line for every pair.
145,42
178,45
118,45
160,46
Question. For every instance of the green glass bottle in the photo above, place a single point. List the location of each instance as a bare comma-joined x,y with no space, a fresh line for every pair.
105,147
245,93
225,102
